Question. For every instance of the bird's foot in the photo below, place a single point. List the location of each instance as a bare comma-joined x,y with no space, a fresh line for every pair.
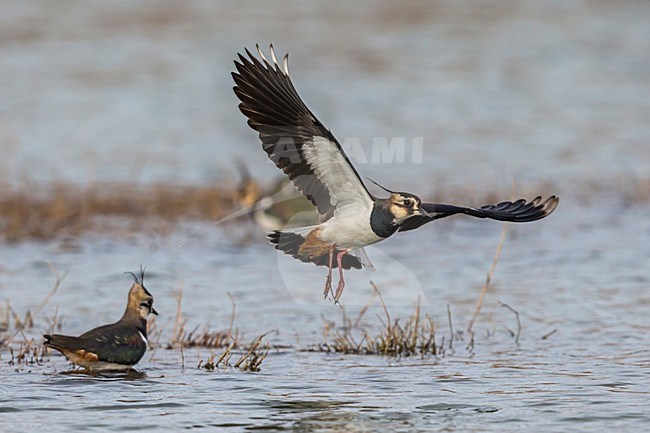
328,287
339,291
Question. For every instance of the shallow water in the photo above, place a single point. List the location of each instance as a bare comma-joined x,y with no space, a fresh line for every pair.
592,373
329,393
548,92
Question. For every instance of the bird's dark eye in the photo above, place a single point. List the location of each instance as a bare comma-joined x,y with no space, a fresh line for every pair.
408,202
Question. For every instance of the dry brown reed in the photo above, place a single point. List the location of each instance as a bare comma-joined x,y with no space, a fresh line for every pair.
488,279
27,354
27,322
252,354
205,337
549,333
251,358
415,336
516,334
5,319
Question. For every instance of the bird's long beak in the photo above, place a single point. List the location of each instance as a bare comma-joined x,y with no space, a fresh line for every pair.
153,311
424,213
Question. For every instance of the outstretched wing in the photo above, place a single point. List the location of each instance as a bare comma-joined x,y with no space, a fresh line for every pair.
293,138
518,211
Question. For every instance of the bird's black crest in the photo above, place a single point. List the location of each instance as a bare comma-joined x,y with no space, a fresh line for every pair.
382,187
138,279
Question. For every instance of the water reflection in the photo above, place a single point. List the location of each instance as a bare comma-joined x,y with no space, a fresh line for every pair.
127,375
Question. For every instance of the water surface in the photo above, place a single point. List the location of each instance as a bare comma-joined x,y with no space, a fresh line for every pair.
552,95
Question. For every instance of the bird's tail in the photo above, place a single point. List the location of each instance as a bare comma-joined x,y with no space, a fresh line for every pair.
60,342
290,242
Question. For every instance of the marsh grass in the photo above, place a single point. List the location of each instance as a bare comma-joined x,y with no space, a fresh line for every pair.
22,325
45,213
8,333
488,279
204,337
201,336
27,354
251,356
415,336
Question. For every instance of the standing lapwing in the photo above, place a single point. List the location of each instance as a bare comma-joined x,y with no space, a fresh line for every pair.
118,346
350,216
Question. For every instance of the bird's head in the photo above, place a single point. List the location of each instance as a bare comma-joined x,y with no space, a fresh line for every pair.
403,205
140,299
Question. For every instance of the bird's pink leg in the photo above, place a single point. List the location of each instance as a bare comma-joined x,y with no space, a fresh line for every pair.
341,285
328,282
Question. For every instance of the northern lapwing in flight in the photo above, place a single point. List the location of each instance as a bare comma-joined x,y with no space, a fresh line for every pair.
115,347
350,216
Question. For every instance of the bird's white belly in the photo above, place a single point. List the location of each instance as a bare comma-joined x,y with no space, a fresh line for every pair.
350,232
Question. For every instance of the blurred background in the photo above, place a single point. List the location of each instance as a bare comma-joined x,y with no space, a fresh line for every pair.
498,91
